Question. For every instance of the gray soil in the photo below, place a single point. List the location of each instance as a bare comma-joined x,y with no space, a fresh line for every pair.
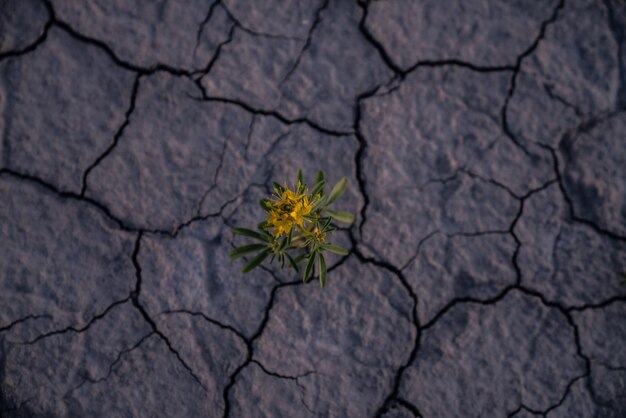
485,143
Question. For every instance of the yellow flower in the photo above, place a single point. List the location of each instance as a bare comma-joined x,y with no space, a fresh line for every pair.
287,211
317,235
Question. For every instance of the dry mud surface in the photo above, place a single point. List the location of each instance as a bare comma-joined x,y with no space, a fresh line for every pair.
485,147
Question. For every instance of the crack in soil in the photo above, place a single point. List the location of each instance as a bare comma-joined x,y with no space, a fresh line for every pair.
516,71
307,44
26,318
134,297
73,328
116,137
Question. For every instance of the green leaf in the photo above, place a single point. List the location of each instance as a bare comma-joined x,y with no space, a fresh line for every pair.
319,177
335,249
318,189
297,242
318,205
341,216
252,234
246,249
283,244
623,282
308,269
278,187
337,190
300,178
300,258
255,261
293,263
265,204
321,267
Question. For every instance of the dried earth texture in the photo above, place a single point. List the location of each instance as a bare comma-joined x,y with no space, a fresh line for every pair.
485,143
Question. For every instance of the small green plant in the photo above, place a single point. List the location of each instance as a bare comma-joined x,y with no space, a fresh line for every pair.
297,227
623,276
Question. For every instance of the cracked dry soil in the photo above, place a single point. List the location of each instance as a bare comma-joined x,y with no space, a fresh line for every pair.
486,151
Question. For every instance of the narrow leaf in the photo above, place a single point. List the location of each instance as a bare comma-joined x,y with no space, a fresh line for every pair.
335,249
300,178
278,187
308,269
319,177
341,216
255,261
265,204
318,189
319,204
321,267
298,242
293,263
246,249
337,190
300,258
283,244
252,234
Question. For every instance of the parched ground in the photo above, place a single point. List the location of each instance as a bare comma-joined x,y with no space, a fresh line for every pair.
485,143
